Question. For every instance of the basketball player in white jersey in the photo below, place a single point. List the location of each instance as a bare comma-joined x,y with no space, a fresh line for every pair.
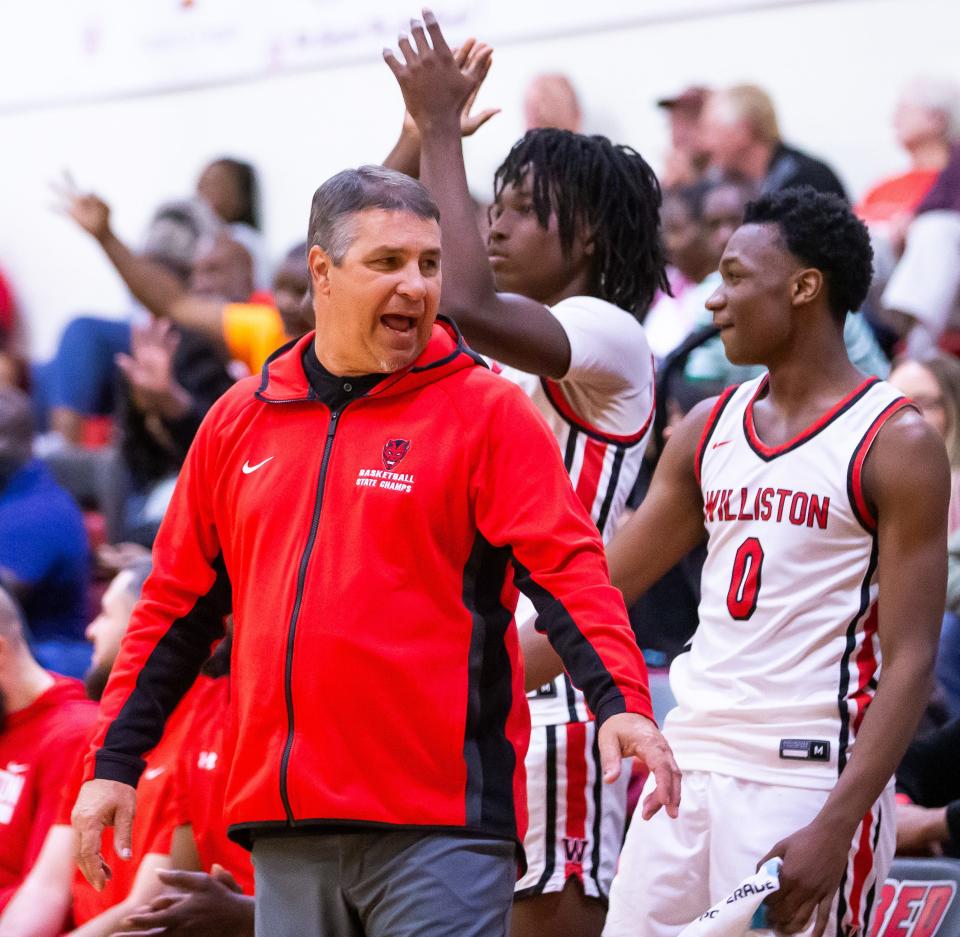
823,496
574,258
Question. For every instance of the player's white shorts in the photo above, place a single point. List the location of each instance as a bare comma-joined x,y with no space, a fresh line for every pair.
576,821
671,871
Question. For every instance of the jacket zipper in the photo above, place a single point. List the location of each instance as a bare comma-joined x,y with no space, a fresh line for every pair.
292,628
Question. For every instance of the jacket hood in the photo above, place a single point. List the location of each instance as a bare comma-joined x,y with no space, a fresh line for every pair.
283,379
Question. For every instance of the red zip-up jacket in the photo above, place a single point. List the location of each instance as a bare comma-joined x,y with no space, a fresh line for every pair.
365,555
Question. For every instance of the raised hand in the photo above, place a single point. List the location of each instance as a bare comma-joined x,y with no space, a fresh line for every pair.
89,211
472,55
149,369
439,85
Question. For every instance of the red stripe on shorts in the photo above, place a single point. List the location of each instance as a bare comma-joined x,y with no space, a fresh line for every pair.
862,867
575,838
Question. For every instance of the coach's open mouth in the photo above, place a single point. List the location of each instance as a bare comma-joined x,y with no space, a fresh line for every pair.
398,323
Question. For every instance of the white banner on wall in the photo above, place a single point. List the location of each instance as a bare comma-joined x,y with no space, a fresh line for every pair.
61,52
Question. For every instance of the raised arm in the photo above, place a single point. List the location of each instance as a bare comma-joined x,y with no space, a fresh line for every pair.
666,526
512,329
907,479
150,282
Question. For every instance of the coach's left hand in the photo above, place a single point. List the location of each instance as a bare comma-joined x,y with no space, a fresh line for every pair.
628,735
813,862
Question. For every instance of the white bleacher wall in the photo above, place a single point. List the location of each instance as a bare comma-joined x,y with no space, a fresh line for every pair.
834,68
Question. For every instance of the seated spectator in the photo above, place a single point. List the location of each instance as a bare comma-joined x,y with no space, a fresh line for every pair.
706,363
926,122
291,285
932,381
922,298
80,380
13,366
686,161
928,794
230,187
173,377
44,556
55,884
739,131
45,721
218,303
672,318
210,885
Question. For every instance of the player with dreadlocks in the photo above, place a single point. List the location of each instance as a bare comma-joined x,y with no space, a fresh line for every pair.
572,260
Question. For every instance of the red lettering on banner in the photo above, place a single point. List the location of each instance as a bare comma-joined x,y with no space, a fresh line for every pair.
933,910
909,899
887,894
912,908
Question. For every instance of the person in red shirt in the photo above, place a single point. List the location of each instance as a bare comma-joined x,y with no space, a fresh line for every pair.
54,888
44,722
210,887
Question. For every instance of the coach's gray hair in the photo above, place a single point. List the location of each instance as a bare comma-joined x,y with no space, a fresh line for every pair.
356,190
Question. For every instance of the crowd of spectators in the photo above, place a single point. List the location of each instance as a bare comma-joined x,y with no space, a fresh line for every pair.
91,442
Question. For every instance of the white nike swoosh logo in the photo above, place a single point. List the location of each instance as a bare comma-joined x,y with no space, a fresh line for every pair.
248,468
152,773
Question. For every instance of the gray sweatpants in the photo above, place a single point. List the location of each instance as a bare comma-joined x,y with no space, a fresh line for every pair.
383,884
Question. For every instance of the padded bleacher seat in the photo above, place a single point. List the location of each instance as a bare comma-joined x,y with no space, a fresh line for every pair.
919,898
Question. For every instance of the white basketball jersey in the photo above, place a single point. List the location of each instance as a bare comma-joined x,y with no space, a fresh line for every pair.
786,657
601,414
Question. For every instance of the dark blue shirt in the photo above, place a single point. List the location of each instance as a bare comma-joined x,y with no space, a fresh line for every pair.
43,543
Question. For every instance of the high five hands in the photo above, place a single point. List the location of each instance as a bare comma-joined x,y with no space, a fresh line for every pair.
440,85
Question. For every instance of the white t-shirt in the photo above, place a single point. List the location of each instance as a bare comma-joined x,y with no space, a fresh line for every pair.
926,282
601,413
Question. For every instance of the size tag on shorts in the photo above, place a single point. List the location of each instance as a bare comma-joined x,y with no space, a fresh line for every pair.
805,749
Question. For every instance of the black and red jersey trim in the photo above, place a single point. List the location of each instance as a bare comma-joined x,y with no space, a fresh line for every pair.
560,403
843,690
709,427
858,499
767,453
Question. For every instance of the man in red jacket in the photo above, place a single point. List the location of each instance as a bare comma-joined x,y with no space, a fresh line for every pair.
367,508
